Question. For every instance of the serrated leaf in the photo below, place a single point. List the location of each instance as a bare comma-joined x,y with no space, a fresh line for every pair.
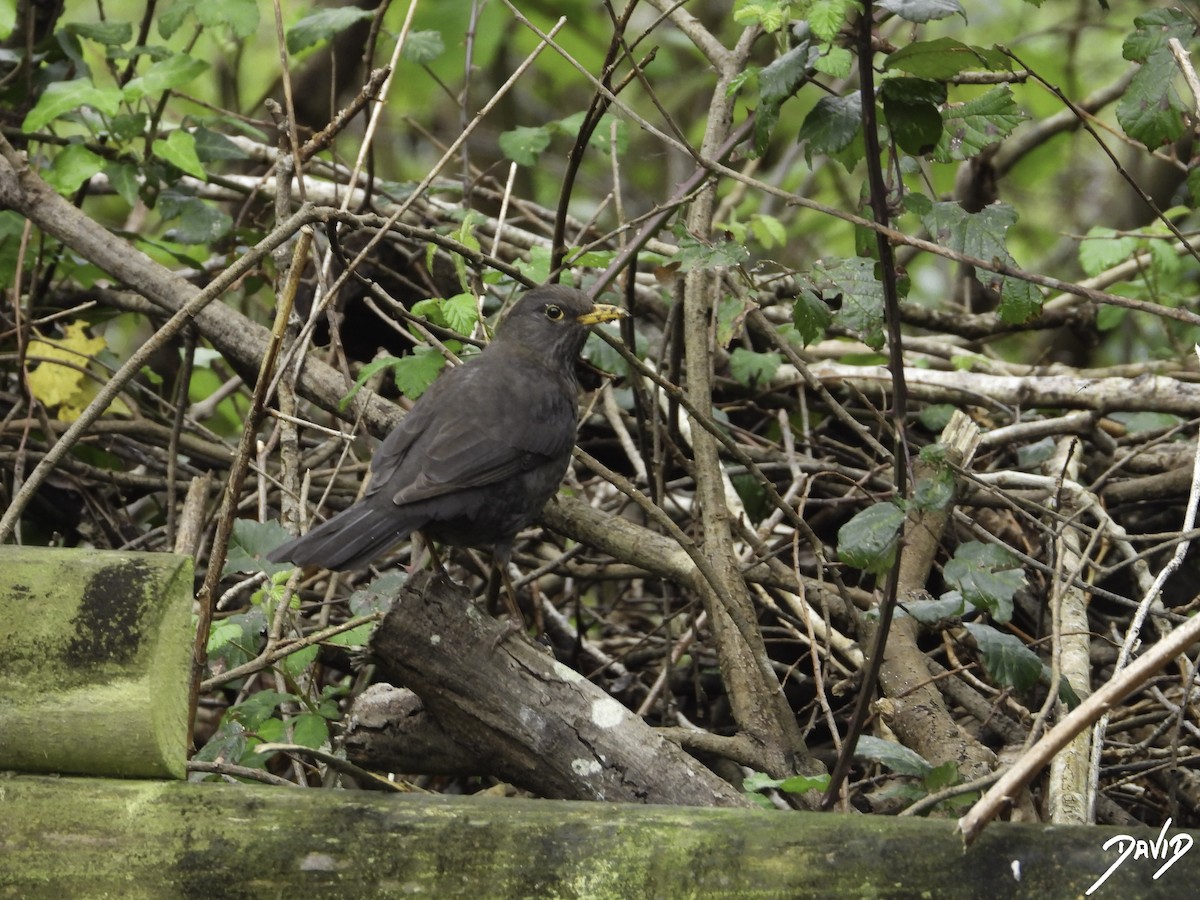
415,373
940,59
826,17
523,145
861,295
935,490
295,663
323,25
1020,301
249,544
980,234
779,80
831,125
895,757
718,253
1153,30
972,126
921,11
987,577
1005,658
916,127
309,730
62,97
751,368
834,61
770,14
1150,109
423,47
869,540
1104,248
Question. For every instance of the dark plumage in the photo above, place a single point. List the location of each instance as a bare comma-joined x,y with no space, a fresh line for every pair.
481,451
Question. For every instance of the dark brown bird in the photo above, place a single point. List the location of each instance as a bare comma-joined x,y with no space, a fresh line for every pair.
481,451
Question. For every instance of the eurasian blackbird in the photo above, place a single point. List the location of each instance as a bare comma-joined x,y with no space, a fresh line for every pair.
481,451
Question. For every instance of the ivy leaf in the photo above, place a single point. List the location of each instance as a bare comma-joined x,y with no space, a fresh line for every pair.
970,127
174,71
987,576
869,540
921,11
1005,658
179,149
72,167
895,757
62,97
750,368
323,25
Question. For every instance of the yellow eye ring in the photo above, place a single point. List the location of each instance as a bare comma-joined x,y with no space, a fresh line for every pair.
554,313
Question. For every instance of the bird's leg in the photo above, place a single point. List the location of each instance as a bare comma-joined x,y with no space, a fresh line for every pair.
427,545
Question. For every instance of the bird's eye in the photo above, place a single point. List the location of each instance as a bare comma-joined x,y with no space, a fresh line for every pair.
554,313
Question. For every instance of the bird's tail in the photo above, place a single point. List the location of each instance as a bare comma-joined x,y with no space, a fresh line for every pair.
349,540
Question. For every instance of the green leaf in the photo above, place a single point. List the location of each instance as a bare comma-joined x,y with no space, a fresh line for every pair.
1153,32
826,17
869,540
936,416
921,11
123,177
811,316
916,127
249,545
1005,658
1103,248
62,97
239,16
111,34
970,127
523,145
295,663
833,61
935,490
932,613
940,59
174,71
831,125
750,368
895,757
212,146
853,279
987,576
323,25
771,14
1151,110
697,254
310,730
415,373
179,149
355,637
423,47
72,167
795,784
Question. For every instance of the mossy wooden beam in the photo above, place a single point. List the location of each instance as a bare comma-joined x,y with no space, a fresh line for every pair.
94,837
95,652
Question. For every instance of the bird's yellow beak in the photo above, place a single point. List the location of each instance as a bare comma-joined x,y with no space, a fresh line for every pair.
601,312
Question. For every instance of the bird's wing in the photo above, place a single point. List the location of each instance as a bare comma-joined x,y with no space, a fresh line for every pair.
463,433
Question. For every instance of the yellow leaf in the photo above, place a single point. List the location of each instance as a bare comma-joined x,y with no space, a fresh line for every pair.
66,386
